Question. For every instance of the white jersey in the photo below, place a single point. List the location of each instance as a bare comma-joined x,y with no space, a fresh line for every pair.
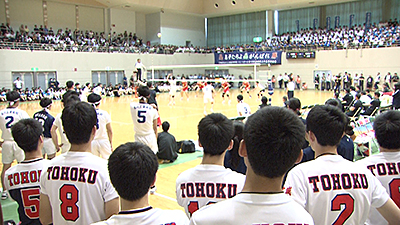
206,184
172,87
78,186
18,84
9,117
335,190
147,216
97,90
103,118
253,209
208,91
64,139
23,183
386,167
143,116
243,109
291,86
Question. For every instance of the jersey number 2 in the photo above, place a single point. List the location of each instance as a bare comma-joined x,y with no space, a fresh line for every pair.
142,118
30,200
337,202
10,120
194,206
69,196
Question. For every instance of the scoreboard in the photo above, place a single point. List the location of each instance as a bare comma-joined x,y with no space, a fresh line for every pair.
300,55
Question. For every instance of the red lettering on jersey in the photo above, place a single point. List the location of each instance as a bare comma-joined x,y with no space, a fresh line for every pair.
381,169
24,177
371,168
356,183
49,169
92,176
336,181
364,181
392,168
33,177
82,172
210,192
73,174
326,183
220,190
314,181
64,173
183,190
232,190
10,177
346,181
16,179
190,190
200,190
288,191
55,175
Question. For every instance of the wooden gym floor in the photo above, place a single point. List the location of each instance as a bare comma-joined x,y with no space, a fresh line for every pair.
183,118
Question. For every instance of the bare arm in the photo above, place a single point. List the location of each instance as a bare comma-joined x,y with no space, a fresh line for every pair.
109,133
111,207
45,212
155,127
54,136
390,212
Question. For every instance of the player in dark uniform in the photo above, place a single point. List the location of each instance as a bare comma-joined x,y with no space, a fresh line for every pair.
22,180
46,120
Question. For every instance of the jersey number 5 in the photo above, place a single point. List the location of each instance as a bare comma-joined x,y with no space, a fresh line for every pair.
337,202
142,116
69,196
30,200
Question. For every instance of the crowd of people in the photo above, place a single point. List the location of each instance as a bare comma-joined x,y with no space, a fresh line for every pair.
42,38
244,165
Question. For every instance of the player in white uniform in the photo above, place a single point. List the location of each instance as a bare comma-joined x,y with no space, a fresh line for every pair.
46,120
22,180
102,143
144,118
8,117
172,89
332,189
210,182
69,97
243,108
76,186
137,163
273,137
386,165
208,92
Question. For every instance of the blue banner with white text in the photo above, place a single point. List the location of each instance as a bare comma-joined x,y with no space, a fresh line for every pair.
265,57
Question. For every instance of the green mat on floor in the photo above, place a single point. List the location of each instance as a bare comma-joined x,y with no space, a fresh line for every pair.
182,158
10,208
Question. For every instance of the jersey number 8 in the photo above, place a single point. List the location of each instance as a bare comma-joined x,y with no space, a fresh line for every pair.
69,196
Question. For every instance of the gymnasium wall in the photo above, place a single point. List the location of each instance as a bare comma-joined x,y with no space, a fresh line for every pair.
367,61
176,29
60,15
122,20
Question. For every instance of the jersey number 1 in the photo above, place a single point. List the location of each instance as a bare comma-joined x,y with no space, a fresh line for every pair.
69,196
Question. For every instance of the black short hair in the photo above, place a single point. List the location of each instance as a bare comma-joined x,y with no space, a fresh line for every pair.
377,94
67,94
69,84
93,98
240,97
387,129
294,104
78,121
328,123
132,168
165,126
26,134
215,133
143,91
264,100
333,102
72,99
45,102
12,96
358,95
274,137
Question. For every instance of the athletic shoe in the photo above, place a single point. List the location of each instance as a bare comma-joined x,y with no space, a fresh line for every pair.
4,195
153,190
